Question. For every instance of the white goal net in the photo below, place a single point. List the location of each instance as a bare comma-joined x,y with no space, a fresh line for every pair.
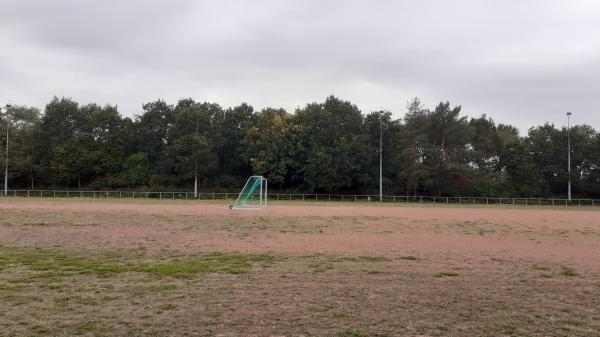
253,195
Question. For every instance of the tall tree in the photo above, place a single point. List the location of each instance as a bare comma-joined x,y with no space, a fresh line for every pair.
328,147
152,137
232,125
411,148
20,122
334,155
191,143
270,146
57,149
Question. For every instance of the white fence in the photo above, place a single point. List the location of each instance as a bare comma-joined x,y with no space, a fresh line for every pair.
303,197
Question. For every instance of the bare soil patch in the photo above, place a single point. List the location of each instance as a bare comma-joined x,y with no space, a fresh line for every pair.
186,268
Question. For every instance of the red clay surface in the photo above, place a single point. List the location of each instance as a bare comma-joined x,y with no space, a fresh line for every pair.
546,235
339,270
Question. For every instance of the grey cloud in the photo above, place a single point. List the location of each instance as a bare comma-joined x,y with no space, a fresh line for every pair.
521,62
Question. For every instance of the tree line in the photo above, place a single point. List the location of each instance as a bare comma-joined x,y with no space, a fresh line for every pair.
327,147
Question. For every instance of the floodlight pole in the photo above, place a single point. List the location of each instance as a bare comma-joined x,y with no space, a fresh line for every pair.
381,156
6,157
569,153
196,167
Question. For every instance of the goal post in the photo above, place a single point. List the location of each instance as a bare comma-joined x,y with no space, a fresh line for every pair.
254,194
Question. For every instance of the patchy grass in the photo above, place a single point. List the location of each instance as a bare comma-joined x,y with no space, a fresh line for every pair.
144,283
359,333
503,329
167,306
566,271
320,267
539,267
351,333
447,274
55,264
367,258
87,328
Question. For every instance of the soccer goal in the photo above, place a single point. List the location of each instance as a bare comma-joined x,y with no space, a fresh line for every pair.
253,195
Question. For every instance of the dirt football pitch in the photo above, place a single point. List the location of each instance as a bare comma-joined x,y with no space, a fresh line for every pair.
188,268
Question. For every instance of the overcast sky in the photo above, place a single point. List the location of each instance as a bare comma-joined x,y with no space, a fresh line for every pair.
519,62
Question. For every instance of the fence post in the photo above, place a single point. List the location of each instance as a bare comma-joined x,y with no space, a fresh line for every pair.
27,193
513,201
160,195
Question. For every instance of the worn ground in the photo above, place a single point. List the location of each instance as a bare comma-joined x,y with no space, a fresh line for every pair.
184,268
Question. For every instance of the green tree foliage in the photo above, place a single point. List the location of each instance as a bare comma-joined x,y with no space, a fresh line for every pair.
152,136
233,125
190,145
136,170
326,147
270,146
21,122
59,143
334,149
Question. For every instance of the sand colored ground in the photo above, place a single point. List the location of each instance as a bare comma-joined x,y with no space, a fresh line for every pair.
338,270
556,235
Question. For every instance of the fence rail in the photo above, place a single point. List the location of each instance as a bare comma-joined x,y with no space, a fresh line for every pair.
302,197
